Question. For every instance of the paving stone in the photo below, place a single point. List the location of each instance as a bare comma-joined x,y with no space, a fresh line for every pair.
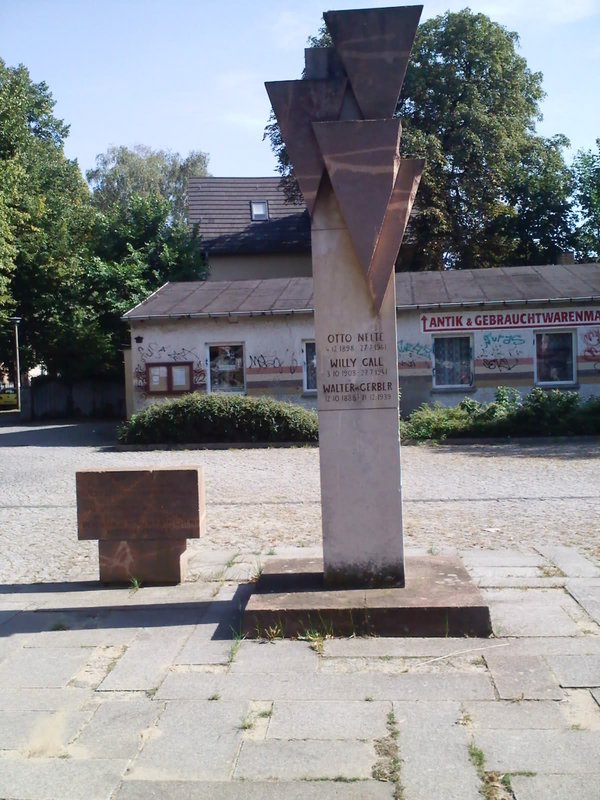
40,733
193,741
541,751
244,790
587,594
487,582
116,729
557,787
431,769
82,637
522,677
576,671
569,561
147,660
530,613
500,558
295,686
328,719
201,649
506,715
278,656
596,695
67,779
489,573
70,698
279,760
553,645
377,647
33,668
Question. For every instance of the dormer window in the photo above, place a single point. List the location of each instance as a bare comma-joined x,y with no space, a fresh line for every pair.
259,210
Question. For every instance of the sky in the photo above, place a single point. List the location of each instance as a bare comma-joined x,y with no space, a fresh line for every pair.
185,75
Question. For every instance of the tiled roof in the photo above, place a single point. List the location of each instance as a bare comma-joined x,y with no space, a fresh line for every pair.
560,283
221,207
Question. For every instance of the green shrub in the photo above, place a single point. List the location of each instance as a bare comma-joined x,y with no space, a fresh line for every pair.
541,413
205,418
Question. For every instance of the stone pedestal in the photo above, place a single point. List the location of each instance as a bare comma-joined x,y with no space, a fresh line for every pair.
142,519
359,441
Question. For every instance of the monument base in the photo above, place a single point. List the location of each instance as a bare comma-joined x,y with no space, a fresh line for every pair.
439,600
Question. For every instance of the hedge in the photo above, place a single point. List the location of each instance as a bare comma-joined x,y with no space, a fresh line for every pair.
210,418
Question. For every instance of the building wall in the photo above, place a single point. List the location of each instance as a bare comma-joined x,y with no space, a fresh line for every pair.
273,353
260,267
497,347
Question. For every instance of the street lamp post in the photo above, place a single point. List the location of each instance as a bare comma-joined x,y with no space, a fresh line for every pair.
15,321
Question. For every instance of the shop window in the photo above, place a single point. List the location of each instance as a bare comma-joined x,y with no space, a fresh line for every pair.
554,359
259,210
226,367
310,367
169,378
453,361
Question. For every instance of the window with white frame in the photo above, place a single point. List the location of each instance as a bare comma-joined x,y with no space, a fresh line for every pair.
226,368
259,210
310,367
173,378
452,361
554,357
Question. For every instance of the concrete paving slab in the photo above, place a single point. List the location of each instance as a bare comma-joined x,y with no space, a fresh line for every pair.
587,594
81,637
569,561
147,660
557,787
116,729
553,645
244,790
307,760
276,656
487,582
34,668
507,715
377,647
490,573
501,558
576,671
541,751
193,741
40,733
328,719
531,612
295,686
201,649
428,769
522,677
67,779
69,698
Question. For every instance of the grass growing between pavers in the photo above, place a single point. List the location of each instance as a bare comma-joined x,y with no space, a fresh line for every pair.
494,785
388,766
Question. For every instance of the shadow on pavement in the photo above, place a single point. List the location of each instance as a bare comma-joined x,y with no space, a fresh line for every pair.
225,614
567,449
65,434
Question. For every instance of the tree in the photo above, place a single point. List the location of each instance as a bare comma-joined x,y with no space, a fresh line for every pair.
469,106
586,173
122,172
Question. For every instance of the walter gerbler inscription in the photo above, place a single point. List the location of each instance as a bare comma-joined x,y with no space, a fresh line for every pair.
358,369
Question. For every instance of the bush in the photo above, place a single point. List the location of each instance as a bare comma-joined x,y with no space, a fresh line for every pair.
205,418
541,413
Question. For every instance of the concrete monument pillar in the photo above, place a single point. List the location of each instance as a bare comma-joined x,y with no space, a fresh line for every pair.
343,141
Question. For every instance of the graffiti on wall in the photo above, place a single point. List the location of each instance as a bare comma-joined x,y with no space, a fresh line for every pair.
410,352
501,352
591,347
273,361
152,352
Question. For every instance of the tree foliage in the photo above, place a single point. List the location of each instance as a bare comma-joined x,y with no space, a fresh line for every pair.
493,192
72,261
123,172
586,169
